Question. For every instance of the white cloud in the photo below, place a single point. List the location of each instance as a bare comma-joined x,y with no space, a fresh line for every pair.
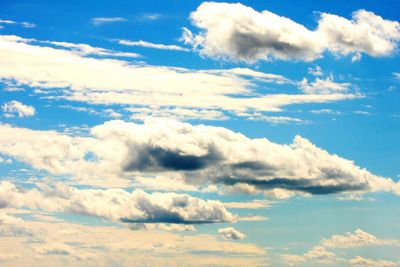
363,262
237,32
326,111
116,204
101,21
23,24
196,155
323,86
66,74
84,49
16,107
316,71
255,204
230,233
152,45
359,238
75,244
317,253
181,114
2,160
396,75
361,112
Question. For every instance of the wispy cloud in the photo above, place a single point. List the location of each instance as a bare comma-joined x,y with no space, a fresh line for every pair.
105,20
23,24
152,45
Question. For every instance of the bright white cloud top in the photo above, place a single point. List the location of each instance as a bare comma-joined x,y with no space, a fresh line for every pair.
237,32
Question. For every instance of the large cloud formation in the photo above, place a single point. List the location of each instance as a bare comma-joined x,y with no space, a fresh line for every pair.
116,204
196,155
66,71
238,32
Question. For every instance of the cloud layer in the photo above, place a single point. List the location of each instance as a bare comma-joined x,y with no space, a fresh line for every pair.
65,72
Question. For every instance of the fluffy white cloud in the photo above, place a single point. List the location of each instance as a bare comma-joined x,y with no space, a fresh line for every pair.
323,86
317,253
197,155
230,233
116,204
359,238
67,74
238,32
16,107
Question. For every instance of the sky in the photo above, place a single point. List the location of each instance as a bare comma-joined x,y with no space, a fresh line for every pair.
190,133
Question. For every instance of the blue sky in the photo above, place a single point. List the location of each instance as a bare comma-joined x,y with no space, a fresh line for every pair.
199,133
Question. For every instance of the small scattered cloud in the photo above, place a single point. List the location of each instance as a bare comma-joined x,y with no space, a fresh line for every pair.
23,24
315,71
362,112
326,111
105,20
358,238
230,233
17,108
323,86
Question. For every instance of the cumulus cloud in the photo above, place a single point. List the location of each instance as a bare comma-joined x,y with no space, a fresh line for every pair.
67,74
359,238
237,32
198,155
230,233
323,86
116,204
152,45
16,107
317,253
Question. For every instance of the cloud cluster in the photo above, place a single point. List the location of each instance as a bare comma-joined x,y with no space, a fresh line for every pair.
357,239
15,107
116,204
237,32
194,155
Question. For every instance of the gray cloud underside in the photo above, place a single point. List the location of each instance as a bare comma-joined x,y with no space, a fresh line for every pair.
116,204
